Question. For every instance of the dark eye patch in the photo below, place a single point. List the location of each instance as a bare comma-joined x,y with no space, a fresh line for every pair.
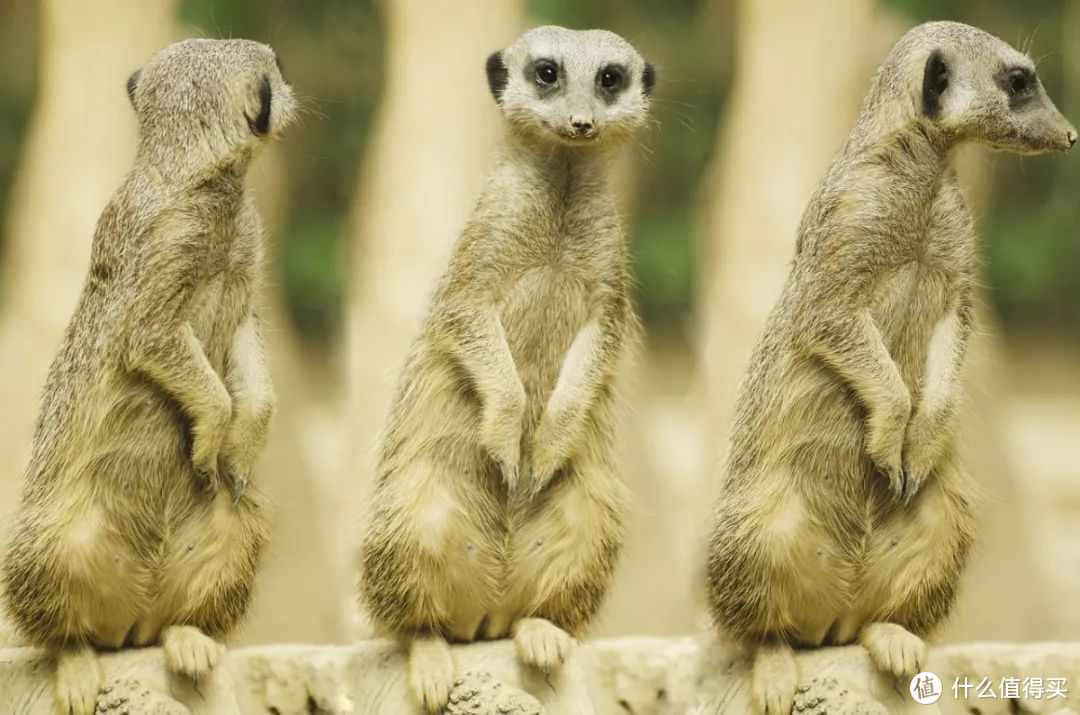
1019,83
546,73
610,77
610,80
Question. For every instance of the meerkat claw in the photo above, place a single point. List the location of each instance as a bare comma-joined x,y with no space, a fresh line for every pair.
509,475
537,484
238,487
897,480
208,477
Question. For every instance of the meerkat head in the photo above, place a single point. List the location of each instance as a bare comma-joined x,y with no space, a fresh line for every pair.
970,86
573,87
212,98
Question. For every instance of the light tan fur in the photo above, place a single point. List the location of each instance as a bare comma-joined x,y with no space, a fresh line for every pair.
497,509
845,513
136,526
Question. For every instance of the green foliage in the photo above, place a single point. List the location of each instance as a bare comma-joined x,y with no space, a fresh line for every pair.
18,27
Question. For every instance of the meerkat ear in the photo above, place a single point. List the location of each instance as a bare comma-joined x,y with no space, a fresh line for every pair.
935,82
648,78
132,83
261,124
497,75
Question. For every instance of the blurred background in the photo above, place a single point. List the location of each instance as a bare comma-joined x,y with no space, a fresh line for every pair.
365,197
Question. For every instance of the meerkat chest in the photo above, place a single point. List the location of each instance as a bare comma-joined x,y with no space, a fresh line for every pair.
541,313
222,297
915,296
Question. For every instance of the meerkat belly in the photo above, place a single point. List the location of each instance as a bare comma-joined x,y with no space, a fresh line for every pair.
147,528
541,315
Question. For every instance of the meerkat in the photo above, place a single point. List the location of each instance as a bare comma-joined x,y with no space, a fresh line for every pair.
497,509
846,514
135,527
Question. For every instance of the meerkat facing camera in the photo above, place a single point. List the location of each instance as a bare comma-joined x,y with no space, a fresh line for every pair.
497,508
845,512
135,526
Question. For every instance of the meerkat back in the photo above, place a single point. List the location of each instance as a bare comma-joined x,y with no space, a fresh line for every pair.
137,525
498,510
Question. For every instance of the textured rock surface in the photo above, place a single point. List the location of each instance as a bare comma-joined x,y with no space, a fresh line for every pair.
626,676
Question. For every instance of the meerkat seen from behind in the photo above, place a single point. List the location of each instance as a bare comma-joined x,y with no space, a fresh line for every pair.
846,514
497,510
135,526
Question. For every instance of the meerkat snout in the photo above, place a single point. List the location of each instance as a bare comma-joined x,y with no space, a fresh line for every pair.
571,86
976,87
581,125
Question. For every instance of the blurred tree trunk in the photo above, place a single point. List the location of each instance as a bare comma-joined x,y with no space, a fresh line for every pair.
1013,609
426,158
300,558
786,120
79,144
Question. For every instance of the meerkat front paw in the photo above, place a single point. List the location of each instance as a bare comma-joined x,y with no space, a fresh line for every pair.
885,442
208,438
245,440
922,449
78,682
547,454
774,678
544,461
500,434
431,672
893,648
238,467
541,644
189,651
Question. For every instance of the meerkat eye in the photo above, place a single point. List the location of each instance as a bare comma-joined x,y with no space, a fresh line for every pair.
610,78
1020,80
547,73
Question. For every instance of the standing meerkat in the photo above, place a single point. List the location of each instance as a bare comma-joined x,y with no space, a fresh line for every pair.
135,527
846,514
497,508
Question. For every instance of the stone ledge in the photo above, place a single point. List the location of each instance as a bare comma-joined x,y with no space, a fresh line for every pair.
641,676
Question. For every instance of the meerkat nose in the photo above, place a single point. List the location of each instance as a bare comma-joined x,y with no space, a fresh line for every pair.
581,125
1071,136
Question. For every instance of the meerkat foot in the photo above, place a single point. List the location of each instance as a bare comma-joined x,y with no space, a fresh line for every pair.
541,644
431,672
78,681
775,677
189,651
893,648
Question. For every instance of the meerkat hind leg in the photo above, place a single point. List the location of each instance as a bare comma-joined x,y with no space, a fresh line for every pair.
893,648
775,676
541,644
78,681
189,651
431,672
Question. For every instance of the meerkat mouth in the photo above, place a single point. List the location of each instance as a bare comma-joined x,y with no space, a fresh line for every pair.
577,138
